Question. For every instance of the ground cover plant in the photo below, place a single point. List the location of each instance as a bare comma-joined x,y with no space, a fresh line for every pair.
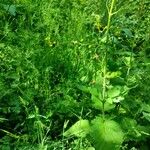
74,74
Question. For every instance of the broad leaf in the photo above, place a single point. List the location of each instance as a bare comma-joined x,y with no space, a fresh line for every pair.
107,135
80,129
114,92
97,104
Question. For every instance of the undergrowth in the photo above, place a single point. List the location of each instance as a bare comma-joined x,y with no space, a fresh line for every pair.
74,75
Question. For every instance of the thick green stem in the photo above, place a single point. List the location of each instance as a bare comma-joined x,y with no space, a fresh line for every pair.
104,70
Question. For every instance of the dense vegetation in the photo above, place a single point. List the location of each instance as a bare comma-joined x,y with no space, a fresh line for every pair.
74,74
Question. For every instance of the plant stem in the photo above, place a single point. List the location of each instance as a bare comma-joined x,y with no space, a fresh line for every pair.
104,70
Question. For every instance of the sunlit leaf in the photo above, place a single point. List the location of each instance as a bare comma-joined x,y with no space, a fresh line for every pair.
3,119
146,107
97,103
80,129
106,134
146,116
114,92
113,74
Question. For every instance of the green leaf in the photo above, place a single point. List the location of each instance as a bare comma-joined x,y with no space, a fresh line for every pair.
146,107
118,99
129,123
11,9
80,129
3,119
104,39
146,116
90,148
97,104
114,92
127,32
113,74
94,91
107,135
85,89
